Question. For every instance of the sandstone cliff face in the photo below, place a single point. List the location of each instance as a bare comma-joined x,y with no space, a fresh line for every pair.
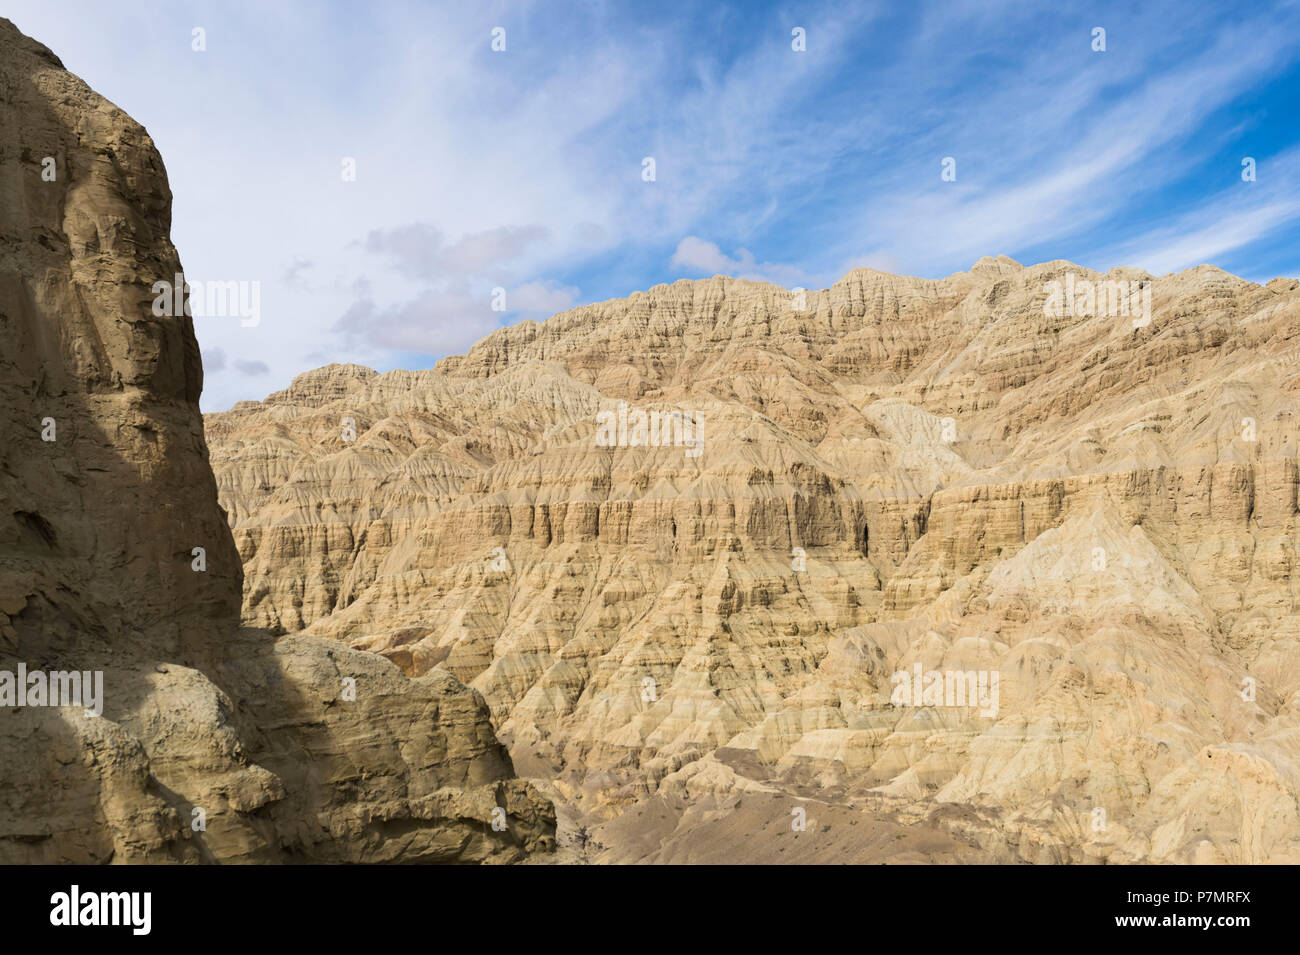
902,473
291,750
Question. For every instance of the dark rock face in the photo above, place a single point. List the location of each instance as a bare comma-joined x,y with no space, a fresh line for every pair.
211,742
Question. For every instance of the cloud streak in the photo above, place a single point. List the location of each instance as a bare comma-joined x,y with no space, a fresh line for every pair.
521,170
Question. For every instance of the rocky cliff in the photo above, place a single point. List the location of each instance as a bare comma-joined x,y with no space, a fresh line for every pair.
1080,486
215,742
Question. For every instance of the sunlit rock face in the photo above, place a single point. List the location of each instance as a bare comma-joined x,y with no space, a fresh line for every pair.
1077,491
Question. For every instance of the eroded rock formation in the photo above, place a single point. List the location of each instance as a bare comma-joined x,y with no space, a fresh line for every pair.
215,742
1097,504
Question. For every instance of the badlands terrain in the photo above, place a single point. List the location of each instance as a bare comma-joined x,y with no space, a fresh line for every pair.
689,640
645,582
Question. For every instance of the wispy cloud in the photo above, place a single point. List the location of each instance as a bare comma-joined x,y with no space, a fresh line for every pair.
1230,219
1087,166
522,170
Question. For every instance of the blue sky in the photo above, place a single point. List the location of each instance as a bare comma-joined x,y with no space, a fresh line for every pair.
522,169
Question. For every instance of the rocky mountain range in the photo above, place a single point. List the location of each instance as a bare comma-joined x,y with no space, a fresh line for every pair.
990,568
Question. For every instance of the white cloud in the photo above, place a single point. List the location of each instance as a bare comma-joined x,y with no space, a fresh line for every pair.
698,256
541,298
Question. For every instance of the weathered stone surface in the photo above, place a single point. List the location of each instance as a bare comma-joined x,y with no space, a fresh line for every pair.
1102,512
97,529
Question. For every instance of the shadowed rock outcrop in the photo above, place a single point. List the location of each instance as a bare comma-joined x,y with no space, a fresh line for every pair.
215,742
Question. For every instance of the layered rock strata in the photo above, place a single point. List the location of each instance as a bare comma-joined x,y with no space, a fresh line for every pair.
684,640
